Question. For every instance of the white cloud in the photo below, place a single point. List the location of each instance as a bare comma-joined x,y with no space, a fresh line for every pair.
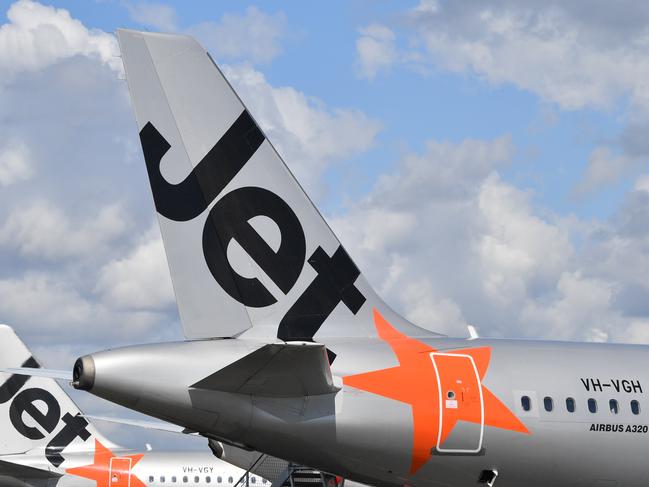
581,307
253,36
426,7
441,315
637,332
424,248
47,306
572,54
642,183
140,280
386,225
553,49
14,164
516,246
446,170
375,50
37,36
307,133
43,231
156,15
32,298
457,244
604,168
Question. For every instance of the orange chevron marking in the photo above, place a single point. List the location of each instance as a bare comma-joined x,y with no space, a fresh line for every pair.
414,382
100,470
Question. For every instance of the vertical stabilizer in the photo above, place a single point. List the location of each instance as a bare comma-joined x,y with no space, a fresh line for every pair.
246,247
36,415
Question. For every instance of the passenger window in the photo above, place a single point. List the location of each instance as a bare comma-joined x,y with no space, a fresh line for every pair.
613,406
196,479
254,480
635,407
548,403
150,479
570,405
219,479
229,480
185,479
526,403
592,405
208,479
173,479
162,479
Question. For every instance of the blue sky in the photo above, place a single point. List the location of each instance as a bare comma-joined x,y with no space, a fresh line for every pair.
483,164
318,57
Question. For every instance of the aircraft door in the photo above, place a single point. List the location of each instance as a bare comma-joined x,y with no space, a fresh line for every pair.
120,472
461,412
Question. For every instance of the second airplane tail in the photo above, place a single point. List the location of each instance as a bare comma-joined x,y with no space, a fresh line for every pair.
246,247
36,416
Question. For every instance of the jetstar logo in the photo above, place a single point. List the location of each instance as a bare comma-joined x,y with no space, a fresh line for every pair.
35,413
417,381
110,470
229,220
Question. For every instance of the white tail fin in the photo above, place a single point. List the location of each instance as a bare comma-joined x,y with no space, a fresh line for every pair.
36,415
245,245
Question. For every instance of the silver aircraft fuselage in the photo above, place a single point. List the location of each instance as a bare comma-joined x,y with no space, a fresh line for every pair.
317,369
366,436
126,468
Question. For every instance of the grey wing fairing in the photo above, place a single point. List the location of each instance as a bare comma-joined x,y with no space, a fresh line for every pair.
276,370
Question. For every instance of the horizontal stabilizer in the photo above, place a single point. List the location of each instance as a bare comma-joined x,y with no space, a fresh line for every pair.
49,373
276,370
152,425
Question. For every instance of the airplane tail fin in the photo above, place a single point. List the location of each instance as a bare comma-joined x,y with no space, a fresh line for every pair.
247,249
36,415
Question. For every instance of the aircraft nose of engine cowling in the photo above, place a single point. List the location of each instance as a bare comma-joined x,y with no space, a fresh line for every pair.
109,374
83,373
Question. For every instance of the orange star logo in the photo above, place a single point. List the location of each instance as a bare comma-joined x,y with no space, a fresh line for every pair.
109,470
442,388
